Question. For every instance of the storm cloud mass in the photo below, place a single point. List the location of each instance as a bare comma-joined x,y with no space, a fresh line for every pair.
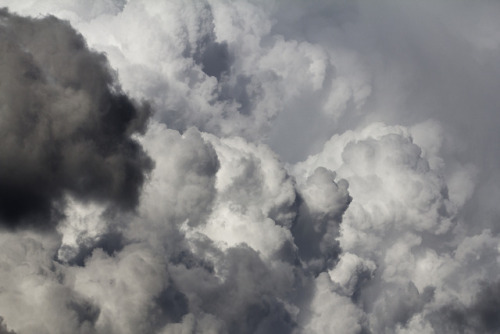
249,166
64,127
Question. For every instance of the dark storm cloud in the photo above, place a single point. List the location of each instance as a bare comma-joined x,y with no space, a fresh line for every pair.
65,126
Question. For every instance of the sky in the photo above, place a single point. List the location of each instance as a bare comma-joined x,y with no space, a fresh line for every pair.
249,166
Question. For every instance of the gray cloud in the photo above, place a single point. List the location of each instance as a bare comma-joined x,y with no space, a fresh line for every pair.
65,126
316,229
319,167
481,316
4,329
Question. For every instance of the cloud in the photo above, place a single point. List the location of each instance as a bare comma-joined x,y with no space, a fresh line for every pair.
35,298
308,168
401,204
479,316
256,198
316,229
4,329
331,311
123,287
66,127
227,68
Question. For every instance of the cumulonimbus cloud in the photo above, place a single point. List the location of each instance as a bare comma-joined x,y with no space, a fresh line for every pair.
309,168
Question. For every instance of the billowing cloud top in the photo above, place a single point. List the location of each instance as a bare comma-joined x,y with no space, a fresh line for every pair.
291,167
